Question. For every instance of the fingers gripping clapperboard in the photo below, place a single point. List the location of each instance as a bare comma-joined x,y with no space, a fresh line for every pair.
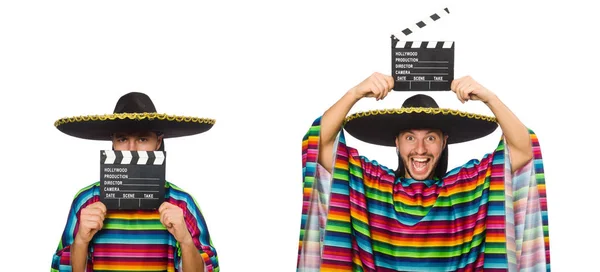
422,65
132,180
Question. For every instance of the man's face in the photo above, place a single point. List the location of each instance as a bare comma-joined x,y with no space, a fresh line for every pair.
420,151
141,141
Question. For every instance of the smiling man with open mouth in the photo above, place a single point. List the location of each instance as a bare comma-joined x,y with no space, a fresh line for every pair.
358,215
420,151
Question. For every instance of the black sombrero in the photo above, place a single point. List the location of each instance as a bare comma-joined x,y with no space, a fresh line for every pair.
134,112
381,127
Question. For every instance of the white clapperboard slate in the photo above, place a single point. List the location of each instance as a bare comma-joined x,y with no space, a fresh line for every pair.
422,65
132,180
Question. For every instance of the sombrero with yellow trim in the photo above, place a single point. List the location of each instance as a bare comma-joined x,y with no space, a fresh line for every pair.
420,111
134,112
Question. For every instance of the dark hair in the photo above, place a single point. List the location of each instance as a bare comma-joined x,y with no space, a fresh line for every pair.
162,145
440,168
162,141
158,134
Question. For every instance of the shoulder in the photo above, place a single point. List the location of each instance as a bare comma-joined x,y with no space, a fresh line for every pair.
472,167
179,194
90,190
373,167
181,198
356,158
86,195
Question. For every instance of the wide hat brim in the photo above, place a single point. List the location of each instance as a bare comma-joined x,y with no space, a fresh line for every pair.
101,127
381,127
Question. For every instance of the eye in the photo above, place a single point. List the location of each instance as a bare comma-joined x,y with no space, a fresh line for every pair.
143,139
431,138
121,139
410,138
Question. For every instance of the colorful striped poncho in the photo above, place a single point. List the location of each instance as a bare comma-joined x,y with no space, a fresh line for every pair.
135,240
479,217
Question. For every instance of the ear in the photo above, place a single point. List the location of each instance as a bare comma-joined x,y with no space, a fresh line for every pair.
397,141
160,139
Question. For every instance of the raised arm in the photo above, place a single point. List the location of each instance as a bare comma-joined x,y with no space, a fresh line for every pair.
377,85
516,134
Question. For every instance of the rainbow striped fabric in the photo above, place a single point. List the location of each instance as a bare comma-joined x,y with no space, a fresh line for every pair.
135,240
479,217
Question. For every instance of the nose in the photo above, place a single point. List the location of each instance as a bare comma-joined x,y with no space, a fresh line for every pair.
131,145
420,148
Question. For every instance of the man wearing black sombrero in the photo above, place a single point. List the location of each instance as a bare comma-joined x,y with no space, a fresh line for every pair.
173,237
486,215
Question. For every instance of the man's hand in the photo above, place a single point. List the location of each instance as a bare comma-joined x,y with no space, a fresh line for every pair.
172,218
377,85
91,220
466,88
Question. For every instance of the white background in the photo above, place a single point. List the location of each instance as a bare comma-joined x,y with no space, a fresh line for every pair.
265,70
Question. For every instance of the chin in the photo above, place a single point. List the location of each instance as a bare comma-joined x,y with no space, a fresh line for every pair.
421,177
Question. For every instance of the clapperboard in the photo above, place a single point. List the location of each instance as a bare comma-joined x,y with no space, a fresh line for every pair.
132,180
422,65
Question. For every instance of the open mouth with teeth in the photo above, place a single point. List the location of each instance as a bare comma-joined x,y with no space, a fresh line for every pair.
419,165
